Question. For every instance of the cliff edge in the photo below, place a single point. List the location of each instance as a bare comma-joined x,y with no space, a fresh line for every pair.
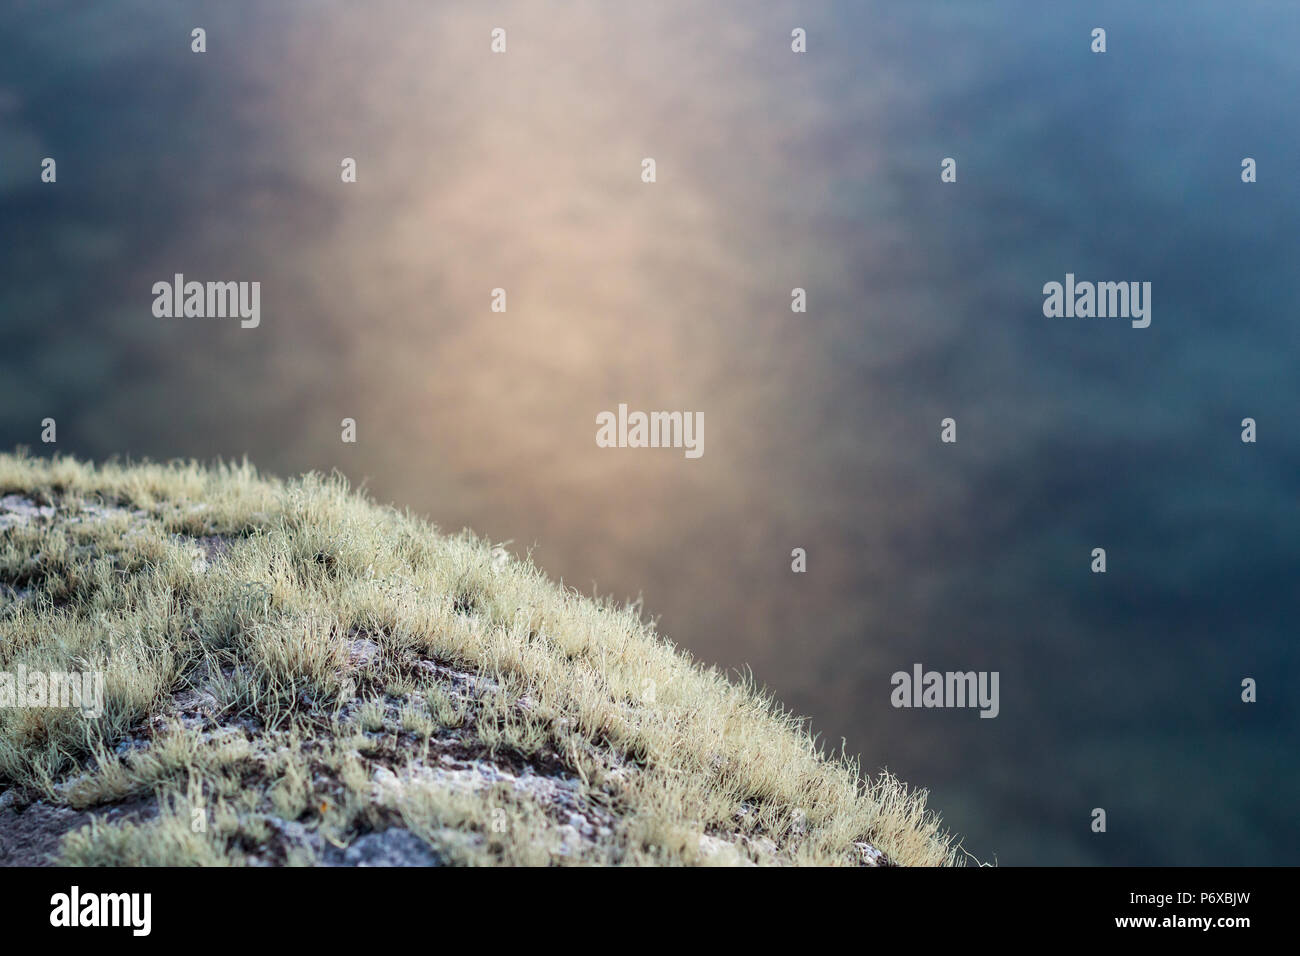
203,666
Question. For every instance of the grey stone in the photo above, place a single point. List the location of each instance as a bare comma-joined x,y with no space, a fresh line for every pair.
394,847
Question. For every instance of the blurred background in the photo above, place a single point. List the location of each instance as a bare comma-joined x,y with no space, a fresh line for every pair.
775,170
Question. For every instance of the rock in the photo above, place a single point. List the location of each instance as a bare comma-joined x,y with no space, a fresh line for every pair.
16,511
394,847
31,835
873,857
362,653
